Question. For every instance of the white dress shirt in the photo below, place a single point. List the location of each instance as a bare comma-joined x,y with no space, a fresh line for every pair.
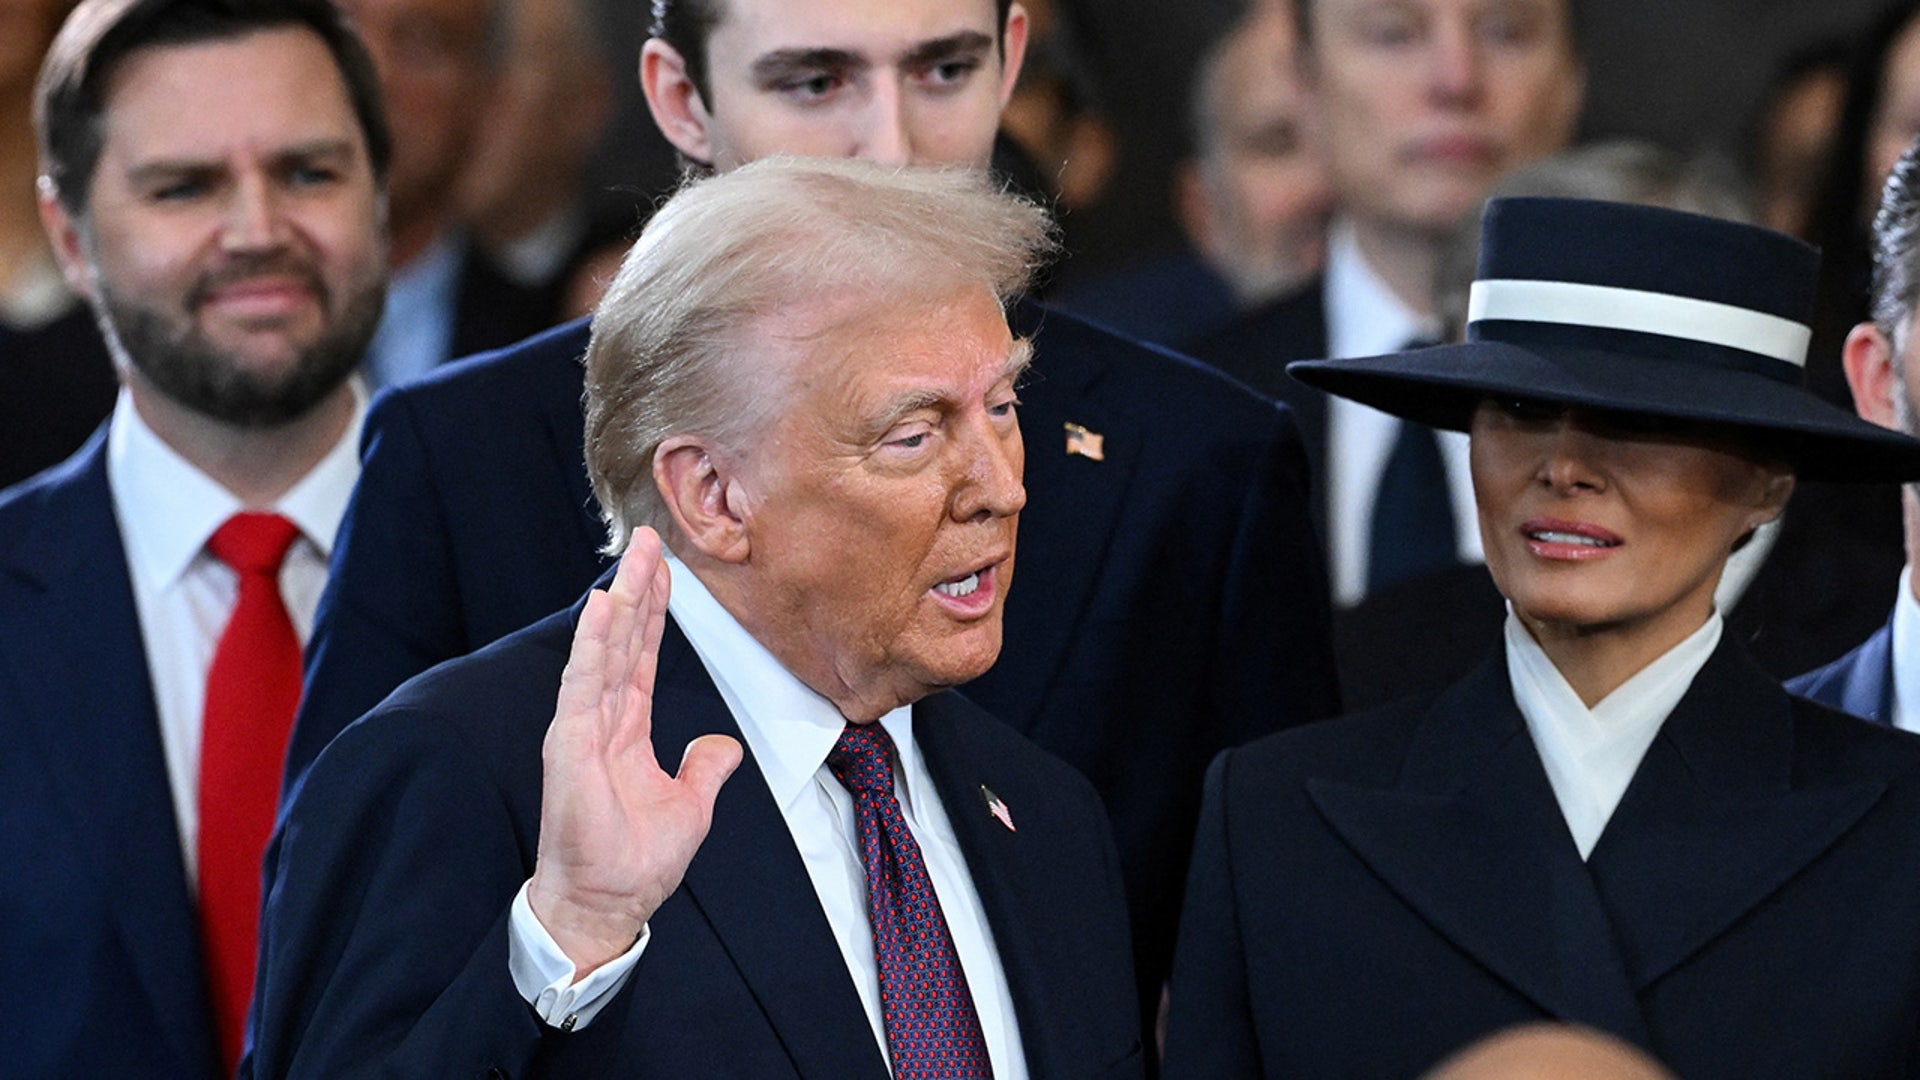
167,510
1365,318
1905,648
1591,755
789,731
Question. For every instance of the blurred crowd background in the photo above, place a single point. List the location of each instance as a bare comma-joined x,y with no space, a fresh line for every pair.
1160,130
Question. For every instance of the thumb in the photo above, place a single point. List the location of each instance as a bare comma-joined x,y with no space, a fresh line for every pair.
709,760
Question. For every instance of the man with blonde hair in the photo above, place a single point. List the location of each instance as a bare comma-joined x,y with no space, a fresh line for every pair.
1175,602
803,379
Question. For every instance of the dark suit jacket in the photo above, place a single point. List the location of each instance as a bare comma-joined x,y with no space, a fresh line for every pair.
1371,894
1861,682
102,975
57,384
1256,348
384,945
1168,601
491,310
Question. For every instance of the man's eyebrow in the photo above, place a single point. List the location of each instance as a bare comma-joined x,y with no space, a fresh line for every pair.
911,402
964,44
783,63
1018,360
166,168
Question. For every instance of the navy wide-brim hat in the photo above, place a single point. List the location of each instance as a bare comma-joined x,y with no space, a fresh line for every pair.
1640,310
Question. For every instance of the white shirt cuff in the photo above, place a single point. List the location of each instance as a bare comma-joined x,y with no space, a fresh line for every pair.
544,976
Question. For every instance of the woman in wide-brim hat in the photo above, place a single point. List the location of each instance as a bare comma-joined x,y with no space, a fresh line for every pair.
1617,820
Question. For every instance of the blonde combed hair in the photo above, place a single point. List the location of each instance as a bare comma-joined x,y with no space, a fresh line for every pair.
669,353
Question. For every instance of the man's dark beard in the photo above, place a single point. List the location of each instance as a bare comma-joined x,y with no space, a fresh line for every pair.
182,364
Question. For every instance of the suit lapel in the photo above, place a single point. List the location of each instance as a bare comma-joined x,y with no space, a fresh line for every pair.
71,646
1073,505
1717,779
1472,839
750,884
998,861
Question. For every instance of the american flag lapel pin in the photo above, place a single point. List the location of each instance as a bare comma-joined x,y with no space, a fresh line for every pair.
1086,442
997,808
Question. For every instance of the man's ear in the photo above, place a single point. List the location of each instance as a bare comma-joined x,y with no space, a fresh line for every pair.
69,246
1013,51
1868,359
707,504
675,102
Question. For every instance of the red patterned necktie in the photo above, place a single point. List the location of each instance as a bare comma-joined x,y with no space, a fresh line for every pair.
932,1028
253,688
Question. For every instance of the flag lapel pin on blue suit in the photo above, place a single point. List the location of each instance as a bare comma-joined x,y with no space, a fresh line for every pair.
997,807
1086,442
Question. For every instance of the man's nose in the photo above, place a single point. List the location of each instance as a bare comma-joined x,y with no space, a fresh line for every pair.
886,133
993,486
1456,70
253,214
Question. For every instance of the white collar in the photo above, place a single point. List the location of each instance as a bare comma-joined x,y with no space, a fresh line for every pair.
1590,755
1364,316
1905,648
789,726
168,509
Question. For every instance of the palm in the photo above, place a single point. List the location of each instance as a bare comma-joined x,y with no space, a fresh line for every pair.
616,830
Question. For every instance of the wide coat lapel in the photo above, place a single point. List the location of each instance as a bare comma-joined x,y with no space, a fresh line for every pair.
1073,507
1712,824
73,675
1472,839
749,882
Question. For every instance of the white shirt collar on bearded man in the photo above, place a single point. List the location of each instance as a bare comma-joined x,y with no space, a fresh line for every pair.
168,509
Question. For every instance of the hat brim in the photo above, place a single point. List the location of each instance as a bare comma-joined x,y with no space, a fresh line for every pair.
1443,385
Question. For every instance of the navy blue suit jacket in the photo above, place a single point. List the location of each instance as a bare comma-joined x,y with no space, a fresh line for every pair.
384,944
1861,682
1369,895
102,973
1168,602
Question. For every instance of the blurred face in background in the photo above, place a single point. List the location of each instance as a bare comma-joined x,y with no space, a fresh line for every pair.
1896,119
435,77
1255,199
1426,103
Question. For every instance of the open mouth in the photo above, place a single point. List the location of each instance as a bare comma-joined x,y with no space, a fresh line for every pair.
1552,536
960,586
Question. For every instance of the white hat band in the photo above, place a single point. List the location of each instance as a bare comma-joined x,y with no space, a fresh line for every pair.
1609,308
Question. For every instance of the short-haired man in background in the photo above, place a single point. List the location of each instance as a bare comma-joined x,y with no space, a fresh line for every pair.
212,181
1880,679
1423,105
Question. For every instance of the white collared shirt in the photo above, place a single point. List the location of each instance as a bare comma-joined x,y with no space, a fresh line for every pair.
789,730
1591,755
1365,318
167,510
1905,648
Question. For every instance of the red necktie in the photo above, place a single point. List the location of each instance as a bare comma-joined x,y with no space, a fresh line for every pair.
253,688
932,1028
